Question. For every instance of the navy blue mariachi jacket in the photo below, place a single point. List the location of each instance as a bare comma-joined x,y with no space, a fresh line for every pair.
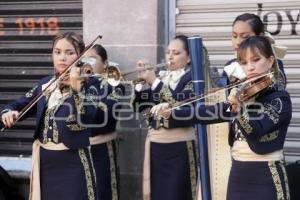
264,123
162,93
71,118
106,100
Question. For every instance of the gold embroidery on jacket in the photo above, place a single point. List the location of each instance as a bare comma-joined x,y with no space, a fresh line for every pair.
92,93
189,86
71,118
97,103
269,137
102,106
79,104
75,127
115,96
271,113
46,126
244,122
166,95
55,132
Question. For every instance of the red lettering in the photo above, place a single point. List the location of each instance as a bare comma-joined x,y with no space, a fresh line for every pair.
29,23
2,32
19,22
40,22
53,27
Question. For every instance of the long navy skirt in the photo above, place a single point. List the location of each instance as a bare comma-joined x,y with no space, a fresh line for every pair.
104,158
67,175
173,171
258,181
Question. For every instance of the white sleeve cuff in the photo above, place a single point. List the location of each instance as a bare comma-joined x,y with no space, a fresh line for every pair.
141,87
155,84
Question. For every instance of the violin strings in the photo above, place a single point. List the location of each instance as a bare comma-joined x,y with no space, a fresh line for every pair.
203,96
209,94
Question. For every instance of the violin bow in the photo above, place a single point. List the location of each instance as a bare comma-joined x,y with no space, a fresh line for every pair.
209,94
44,91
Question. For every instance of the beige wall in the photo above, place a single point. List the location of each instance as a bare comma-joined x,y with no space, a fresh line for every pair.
131,29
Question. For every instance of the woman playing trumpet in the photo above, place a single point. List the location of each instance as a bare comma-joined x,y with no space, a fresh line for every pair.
170,164
103,134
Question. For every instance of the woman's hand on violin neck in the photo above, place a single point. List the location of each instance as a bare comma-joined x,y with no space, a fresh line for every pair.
234,101
76,81
9,118
161,110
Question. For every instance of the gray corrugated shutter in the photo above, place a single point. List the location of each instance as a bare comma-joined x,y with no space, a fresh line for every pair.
213,22
26,32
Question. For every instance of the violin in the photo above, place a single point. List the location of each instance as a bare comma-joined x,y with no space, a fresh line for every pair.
53,81
247,89
254,87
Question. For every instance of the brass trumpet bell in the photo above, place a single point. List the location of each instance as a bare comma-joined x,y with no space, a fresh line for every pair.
113,74
86,64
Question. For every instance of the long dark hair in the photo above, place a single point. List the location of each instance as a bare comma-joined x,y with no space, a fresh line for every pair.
100,50
254,22
184,40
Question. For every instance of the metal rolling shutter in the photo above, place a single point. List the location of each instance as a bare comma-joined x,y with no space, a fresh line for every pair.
26,32
213,22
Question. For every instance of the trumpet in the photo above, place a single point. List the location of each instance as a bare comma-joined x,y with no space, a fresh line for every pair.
145,65
113,74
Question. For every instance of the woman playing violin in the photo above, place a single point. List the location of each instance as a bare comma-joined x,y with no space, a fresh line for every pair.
258,126
61,157
244,26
